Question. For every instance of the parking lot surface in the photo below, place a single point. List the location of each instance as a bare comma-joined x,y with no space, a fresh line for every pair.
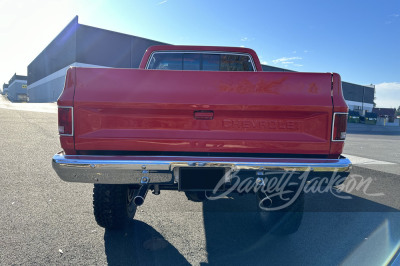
47,221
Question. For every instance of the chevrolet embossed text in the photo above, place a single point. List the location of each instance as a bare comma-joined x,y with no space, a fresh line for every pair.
261,124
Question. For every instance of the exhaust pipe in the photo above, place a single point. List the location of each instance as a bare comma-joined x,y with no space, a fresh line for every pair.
139,199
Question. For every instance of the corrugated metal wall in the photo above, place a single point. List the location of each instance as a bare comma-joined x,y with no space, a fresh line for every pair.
15,88
60,53
81,45
112,49
358,93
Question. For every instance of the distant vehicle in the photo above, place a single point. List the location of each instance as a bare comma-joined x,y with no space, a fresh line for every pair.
354,117
371,118
194,119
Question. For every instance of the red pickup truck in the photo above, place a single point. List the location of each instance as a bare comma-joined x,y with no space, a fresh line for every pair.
200,120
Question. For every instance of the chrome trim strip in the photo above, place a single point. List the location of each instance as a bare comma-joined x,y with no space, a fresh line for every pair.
72,109
160,169
201,52
333,125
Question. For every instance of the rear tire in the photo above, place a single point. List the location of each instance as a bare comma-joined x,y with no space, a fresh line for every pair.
284,221
196,196
113,205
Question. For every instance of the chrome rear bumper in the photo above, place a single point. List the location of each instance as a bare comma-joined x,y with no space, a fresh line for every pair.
164,169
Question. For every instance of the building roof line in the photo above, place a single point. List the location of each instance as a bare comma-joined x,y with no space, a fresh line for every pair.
73,21
126,34
367,86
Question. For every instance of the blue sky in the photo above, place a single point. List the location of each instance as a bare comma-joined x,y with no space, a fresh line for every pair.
358,39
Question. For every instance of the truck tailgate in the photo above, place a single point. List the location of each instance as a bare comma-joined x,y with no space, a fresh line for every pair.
196,111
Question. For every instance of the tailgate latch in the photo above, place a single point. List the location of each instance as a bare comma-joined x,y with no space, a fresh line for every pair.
204,115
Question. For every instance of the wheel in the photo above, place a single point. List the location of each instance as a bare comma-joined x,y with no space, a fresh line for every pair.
196,196
284,221
113,205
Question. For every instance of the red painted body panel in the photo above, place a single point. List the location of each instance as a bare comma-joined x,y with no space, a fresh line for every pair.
157,110
153,110
339,106
67,99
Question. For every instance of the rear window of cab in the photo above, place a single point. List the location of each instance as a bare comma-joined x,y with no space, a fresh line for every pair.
200,61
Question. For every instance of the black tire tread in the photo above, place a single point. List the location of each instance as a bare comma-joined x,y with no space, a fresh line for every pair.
109,205
195,196
286,221
291,219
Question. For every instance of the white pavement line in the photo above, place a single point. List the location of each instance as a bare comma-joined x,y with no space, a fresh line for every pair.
361,160
31,107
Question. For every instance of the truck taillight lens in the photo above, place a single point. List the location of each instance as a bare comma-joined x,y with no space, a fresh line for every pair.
339,126
65,121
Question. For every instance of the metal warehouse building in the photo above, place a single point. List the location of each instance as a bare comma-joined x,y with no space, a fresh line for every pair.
83,46
86,46
17,88
358,97
5,89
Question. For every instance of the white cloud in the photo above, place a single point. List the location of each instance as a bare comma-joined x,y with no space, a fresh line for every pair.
162,2
392,18
264,62
291,63
286,60
246,39
387,94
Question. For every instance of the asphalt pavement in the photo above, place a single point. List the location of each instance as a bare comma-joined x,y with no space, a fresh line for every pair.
45,221
378,143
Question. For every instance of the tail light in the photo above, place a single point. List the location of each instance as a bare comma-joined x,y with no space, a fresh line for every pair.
65,121
339,126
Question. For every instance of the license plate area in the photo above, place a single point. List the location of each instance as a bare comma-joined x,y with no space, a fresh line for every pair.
197,178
